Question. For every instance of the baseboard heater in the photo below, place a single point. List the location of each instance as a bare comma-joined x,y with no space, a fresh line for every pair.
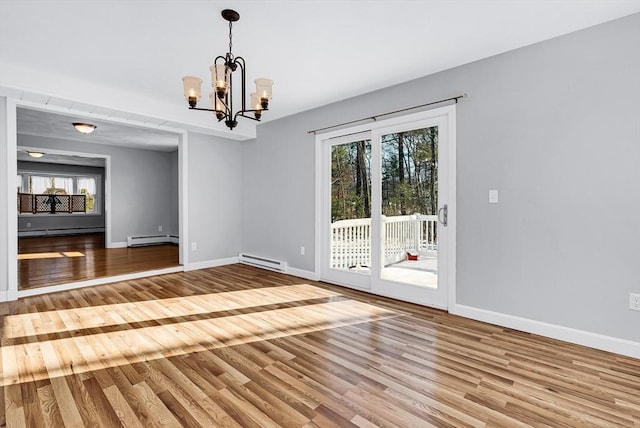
142,240
263,262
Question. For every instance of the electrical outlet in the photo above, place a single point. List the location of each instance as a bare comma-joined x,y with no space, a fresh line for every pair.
302,251
634,301
159,228
194,246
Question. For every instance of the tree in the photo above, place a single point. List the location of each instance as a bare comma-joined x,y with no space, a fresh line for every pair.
409,175
409,172
351,180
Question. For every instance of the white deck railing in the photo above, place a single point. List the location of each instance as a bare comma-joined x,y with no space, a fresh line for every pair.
351,239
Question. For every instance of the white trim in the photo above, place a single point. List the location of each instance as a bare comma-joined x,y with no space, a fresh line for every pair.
107,202
212,263
11,158
318,234
97,281
306,274
52,232
567,334
183,198
452,198
118,244
3,296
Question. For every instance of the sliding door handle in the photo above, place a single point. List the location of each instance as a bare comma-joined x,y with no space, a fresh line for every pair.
443,215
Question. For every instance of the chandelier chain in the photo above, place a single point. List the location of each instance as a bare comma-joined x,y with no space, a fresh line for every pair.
230,36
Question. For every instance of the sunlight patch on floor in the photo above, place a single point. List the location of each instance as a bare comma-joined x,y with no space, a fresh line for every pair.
43,359
64,320
49,255
73,254
33,256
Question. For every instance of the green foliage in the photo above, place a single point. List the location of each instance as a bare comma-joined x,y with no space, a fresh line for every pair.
90,200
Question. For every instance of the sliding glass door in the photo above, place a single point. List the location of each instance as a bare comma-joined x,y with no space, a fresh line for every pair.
387,208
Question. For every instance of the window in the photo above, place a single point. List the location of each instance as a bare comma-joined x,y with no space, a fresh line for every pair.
62,184
50,185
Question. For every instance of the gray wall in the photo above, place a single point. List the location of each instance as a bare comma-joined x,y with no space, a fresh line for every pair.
43,222
554,127
141,183
214,179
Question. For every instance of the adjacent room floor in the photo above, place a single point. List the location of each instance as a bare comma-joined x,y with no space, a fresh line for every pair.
52,260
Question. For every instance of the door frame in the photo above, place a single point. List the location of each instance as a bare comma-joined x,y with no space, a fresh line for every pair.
355,280
449,197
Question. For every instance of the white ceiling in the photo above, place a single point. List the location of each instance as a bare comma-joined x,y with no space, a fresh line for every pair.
317,52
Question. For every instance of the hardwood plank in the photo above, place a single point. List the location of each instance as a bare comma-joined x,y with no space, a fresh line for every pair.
239,346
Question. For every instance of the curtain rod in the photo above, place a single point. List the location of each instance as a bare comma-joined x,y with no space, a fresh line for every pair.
375,117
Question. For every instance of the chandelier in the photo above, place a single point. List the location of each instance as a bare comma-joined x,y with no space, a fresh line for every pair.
222,83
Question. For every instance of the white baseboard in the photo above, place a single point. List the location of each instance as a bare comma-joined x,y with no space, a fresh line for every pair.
3,296
306,274
567,334
211,263
57,232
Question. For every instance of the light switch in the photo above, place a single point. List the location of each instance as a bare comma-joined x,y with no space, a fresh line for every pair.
493,196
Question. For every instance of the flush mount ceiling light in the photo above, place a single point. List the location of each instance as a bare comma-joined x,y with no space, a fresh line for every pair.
36,154
222,83
84,128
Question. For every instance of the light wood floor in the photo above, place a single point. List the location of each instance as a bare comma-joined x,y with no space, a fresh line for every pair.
240,346
56,260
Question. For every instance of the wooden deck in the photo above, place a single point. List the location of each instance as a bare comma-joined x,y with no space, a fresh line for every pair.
62,259
240,346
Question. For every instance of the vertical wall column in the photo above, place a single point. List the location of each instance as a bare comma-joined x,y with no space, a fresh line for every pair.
8,210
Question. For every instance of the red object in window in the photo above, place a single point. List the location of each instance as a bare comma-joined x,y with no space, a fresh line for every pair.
412,256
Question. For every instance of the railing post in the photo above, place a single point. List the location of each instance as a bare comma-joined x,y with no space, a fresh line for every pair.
417,234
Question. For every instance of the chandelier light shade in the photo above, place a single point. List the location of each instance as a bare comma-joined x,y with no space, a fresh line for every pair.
84,128
221,97
192,89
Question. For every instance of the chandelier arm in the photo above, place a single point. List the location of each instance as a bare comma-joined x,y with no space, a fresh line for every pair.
202,109
226,113
242,114
240,62
225,102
